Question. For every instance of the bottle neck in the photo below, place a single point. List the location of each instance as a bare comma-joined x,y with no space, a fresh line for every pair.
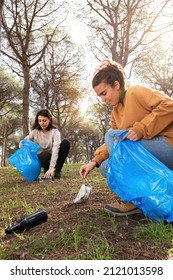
12,228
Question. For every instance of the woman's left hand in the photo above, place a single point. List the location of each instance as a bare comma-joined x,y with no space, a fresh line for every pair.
131,135
49,173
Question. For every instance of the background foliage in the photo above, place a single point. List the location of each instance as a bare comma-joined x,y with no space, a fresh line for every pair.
42,66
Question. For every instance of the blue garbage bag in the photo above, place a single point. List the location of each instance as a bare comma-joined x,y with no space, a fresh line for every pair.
26,161
136,176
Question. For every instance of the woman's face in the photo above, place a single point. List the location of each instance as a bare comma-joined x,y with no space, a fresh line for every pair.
43,122
108,94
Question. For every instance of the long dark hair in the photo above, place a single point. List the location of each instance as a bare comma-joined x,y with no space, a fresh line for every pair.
44,113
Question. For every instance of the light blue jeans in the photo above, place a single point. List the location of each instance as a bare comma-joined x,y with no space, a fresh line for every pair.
157,146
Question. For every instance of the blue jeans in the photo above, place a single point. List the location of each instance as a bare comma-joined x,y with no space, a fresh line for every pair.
158,146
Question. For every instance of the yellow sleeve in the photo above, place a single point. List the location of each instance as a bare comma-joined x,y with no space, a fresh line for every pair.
160,116
101,154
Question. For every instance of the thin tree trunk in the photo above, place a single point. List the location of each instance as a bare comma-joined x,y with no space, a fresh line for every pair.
25,117
1,7
4,147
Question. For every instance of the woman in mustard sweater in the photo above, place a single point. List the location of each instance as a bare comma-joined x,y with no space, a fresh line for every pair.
147,115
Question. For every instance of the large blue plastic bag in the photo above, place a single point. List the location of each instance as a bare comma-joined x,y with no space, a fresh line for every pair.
136,176
26,161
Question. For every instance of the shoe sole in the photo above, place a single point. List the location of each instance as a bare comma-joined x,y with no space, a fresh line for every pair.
132,212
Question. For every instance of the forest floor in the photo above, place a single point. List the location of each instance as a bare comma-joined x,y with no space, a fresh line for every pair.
75,232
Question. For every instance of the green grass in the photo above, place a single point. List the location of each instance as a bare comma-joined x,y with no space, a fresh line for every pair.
81,233
9,172
160,233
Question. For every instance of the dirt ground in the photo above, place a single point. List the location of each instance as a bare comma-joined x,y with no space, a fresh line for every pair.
89,217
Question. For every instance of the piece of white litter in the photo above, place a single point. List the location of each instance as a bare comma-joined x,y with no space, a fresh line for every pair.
83,194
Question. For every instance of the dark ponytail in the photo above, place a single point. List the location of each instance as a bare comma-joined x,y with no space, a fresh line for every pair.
108,73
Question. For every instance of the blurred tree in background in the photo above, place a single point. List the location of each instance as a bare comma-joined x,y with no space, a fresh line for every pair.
42,67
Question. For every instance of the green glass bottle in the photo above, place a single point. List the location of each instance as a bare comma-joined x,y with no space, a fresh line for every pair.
28,222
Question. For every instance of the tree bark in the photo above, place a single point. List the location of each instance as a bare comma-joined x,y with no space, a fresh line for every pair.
25,115
4,147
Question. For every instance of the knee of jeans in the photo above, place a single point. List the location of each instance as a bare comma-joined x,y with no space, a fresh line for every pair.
65,143
107,135
113,133
103,168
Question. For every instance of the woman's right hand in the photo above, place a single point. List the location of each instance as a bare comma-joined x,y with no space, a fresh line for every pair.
85,169
49,173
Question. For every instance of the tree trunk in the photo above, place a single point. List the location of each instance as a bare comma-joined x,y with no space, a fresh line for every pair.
25,116
1,7
4,147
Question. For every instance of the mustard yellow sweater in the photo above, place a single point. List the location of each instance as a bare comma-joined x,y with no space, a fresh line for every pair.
147,112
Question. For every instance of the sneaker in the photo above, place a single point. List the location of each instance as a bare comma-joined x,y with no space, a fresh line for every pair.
119,208
57,175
